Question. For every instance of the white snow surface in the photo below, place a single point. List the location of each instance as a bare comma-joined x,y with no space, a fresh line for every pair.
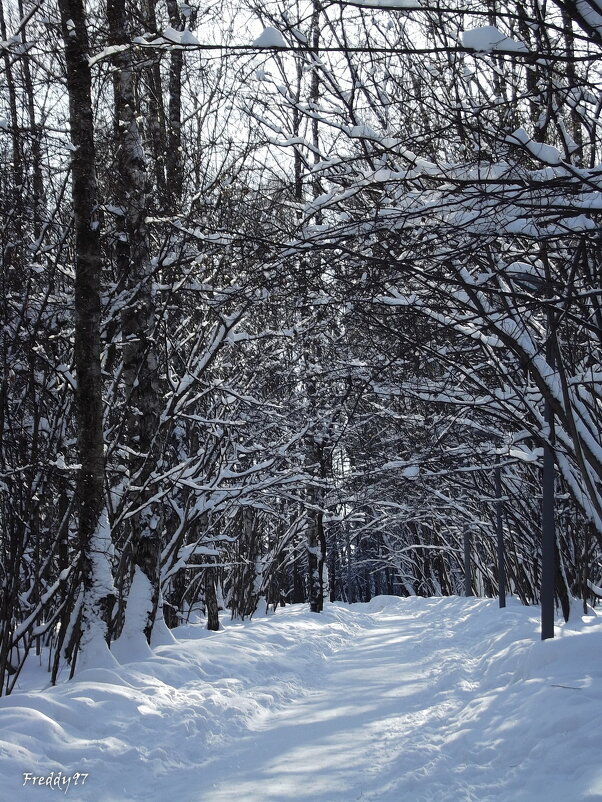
546,153
269,37
591,11
487,38
414,699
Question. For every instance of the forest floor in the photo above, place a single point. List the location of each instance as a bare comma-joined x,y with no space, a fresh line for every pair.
397,700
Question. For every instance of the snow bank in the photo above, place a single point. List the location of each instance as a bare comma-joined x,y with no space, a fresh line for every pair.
420,699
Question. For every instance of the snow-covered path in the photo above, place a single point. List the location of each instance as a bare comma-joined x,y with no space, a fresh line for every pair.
402,710
413,700
368,716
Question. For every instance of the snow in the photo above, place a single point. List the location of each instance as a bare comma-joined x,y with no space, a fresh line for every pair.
591,11
408,5
94,651
545,153
107,52
488,38
411,472
525,454
443,699
188,38
172,36
131,644
269,37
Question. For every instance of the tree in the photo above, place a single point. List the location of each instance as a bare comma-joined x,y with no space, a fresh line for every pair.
94,530
306,317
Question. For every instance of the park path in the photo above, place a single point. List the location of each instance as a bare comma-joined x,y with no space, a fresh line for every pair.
397,700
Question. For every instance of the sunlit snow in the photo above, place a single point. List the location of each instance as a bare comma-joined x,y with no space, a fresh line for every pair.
489,38
269,37
443,699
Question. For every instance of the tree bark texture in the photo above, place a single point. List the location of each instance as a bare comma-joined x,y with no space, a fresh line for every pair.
138,317
94,536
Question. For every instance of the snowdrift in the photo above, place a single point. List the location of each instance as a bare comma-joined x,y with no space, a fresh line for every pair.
414,699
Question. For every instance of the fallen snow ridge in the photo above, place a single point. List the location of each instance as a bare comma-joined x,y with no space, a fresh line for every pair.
421,700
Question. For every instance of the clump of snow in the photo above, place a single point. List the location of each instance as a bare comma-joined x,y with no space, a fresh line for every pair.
407,5
131,644
488,38
107,52
411,472
161,634
525,454
591,11
101,552
93,651
188,38
545,153
441,699
269,37
172,36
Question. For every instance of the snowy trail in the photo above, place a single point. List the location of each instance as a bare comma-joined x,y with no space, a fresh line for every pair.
364,713
398,700
395,715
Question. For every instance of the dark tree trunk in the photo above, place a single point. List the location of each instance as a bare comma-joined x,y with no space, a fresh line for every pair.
155,114
211,605
140,362
173,160
316,555
94,533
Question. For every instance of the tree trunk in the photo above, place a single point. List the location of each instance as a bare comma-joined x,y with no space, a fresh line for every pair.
139,353
173,157
94,531
211,605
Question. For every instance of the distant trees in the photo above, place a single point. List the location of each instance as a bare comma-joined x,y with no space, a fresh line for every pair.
485,232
